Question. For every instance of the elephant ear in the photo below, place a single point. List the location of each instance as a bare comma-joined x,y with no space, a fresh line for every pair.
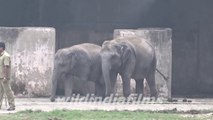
107,42
72,59
124,52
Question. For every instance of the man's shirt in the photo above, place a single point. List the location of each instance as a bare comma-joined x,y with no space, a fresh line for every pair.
4,61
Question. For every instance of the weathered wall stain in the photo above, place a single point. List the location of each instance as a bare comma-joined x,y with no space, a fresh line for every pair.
32,55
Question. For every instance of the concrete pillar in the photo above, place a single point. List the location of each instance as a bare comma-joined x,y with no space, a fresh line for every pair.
32,54
160,38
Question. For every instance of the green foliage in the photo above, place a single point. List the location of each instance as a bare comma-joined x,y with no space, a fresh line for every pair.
96,115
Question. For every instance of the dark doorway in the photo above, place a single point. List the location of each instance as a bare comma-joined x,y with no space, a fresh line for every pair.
192,48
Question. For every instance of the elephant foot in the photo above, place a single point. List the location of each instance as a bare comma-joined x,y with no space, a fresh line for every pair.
68,99
52,99
129,99
109,99
153,98
139,97
172,100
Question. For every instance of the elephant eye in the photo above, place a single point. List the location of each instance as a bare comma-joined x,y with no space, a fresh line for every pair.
62,64
63,76
68,75
114,55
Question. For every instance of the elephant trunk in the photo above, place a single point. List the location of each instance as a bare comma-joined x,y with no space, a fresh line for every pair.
106,75
54,87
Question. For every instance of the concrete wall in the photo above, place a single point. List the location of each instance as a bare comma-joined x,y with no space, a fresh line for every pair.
32,54
160,38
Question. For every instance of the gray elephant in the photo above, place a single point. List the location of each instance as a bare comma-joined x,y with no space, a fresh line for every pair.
132,58
79,62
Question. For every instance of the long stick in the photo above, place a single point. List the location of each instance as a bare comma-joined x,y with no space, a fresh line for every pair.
5,98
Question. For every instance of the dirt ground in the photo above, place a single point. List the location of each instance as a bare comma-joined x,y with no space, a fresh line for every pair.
44,105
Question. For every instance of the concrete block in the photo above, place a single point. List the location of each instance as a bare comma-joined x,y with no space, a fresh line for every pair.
160,38
32,53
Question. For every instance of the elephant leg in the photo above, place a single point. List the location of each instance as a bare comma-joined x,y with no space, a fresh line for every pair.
126,86
113,78
54,86
139,88
113,81
99,90
152,84
84,78
53,94
85,90
126,76
68,89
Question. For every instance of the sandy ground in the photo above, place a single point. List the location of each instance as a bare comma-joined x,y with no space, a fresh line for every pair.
44,105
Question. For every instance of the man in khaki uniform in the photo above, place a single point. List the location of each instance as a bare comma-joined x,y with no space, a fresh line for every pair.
5,88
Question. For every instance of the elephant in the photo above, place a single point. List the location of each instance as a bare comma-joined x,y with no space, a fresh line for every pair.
132,58
79,62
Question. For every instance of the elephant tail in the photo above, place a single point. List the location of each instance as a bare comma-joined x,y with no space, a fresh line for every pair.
164,77
154,66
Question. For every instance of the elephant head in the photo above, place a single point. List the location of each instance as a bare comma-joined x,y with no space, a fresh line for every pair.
114,55
60,71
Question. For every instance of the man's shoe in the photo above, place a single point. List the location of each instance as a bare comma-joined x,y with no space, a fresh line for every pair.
11,109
